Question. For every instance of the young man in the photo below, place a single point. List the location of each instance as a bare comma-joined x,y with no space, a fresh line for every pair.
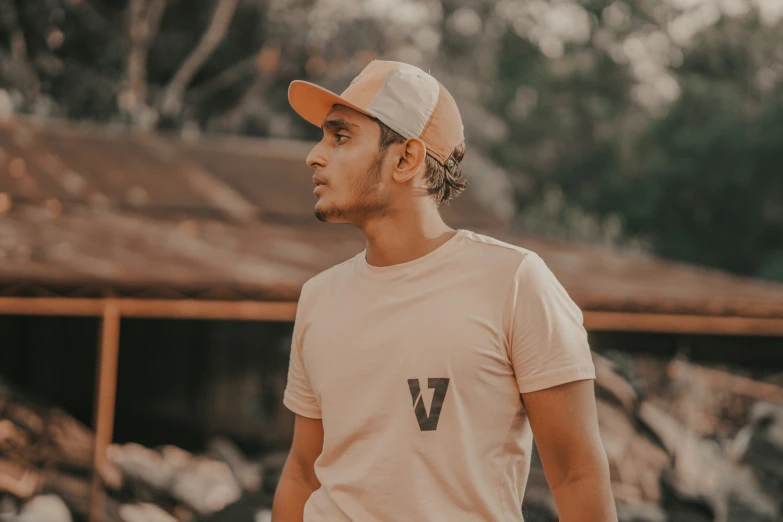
422,368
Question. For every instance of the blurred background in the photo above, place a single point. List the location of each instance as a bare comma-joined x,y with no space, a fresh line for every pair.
156,227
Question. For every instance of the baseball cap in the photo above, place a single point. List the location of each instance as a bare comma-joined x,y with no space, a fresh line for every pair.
402,96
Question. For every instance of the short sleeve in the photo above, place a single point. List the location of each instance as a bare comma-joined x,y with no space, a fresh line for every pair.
547,339
298,395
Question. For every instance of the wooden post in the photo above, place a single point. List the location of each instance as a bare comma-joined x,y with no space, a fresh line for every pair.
106,391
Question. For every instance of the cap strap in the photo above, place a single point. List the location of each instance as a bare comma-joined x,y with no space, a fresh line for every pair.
451,165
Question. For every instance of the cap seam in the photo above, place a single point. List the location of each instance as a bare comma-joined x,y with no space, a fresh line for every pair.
434,109
380,90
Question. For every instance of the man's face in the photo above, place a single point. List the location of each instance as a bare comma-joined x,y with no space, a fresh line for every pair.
349,171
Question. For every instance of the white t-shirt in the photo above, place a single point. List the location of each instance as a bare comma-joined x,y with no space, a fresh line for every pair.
416,369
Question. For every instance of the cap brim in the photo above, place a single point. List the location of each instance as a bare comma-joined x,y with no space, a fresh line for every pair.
313,102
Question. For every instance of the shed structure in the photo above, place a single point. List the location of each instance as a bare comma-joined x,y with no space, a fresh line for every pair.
113,224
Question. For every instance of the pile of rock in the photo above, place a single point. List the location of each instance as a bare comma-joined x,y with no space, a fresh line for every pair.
700,447
685,444
46,475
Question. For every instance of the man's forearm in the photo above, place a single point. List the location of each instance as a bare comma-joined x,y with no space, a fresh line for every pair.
290,496
586,498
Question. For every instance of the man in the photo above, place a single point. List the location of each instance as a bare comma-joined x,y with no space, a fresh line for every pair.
422,368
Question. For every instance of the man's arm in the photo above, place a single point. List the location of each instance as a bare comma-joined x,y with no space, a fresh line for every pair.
298,480
564,422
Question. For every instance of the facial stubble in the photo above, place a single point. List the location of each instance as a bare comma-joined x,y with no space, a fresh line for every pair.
366,198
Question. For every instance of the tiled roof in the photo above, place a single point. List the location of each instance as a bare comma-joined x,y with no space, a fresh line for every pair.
93,212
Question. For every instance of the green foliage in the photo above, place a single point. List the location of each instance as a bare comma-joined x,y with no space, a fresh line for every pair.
701,181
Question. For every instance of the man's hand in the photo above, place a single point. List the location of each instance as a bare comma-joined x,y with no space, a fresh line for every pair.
298,480
564,422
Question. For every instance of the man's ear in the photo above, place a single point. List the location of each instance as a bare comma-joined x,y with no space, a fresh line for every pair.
410,158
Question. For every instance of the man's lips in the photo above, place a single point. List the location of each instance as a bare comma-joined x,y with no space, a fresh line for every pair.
319,183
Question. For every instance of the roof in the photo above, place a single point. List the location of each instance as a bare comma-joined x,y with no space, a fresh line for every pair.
221,177
91,212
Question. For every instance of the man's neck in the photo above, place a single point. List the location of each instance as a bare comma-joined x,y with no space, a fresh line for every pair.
395,241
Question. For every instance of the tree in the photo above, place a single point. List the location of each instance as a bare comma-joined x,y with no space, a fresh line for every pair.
665,122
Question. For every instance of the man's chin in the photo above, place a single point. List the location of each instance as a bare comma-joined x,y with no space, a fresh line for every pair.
322,216
328,213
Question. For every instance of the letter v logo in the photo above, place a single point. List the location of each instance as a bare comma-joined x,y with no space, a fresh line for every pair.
428,422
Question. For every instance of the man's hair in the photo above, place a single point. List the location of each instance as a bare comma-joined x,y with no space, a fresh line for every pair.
441,184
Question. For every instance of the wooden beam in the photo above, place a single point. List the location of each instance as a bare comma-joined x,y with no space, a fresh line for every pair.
194,309
675,323
50,306
162,308
286,311
106,392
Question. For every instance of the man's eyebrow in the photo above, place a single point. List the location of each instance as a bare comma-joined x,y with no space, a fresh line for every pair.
339,123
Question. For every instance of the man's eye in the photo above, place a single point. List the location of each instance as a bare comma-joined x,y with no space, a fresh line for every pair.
340,136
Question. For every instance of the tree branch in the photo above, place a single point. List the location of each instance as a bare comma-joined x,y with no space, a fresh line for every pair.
226,78
11,20
171,101
18,43
143,26
138,26
155,15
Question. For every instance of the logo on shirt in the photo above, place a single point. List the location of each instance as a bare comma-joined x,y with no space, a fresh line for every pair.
428,422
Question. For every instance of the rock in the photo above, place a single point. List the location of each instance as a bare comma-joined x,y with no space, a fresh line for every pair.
702,483
144,513
537,513
251,507
141,464
634,461
611,386
206,485
45,508
760,445
641,512
8,509
739,509
764,450
247,474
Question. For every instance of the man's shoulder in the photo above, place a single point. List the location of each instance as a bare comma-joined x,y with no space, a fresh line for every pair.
326,277
495,250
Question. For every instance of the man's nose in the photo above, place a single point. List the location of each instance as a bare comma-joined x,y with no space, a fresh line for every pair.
316,157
